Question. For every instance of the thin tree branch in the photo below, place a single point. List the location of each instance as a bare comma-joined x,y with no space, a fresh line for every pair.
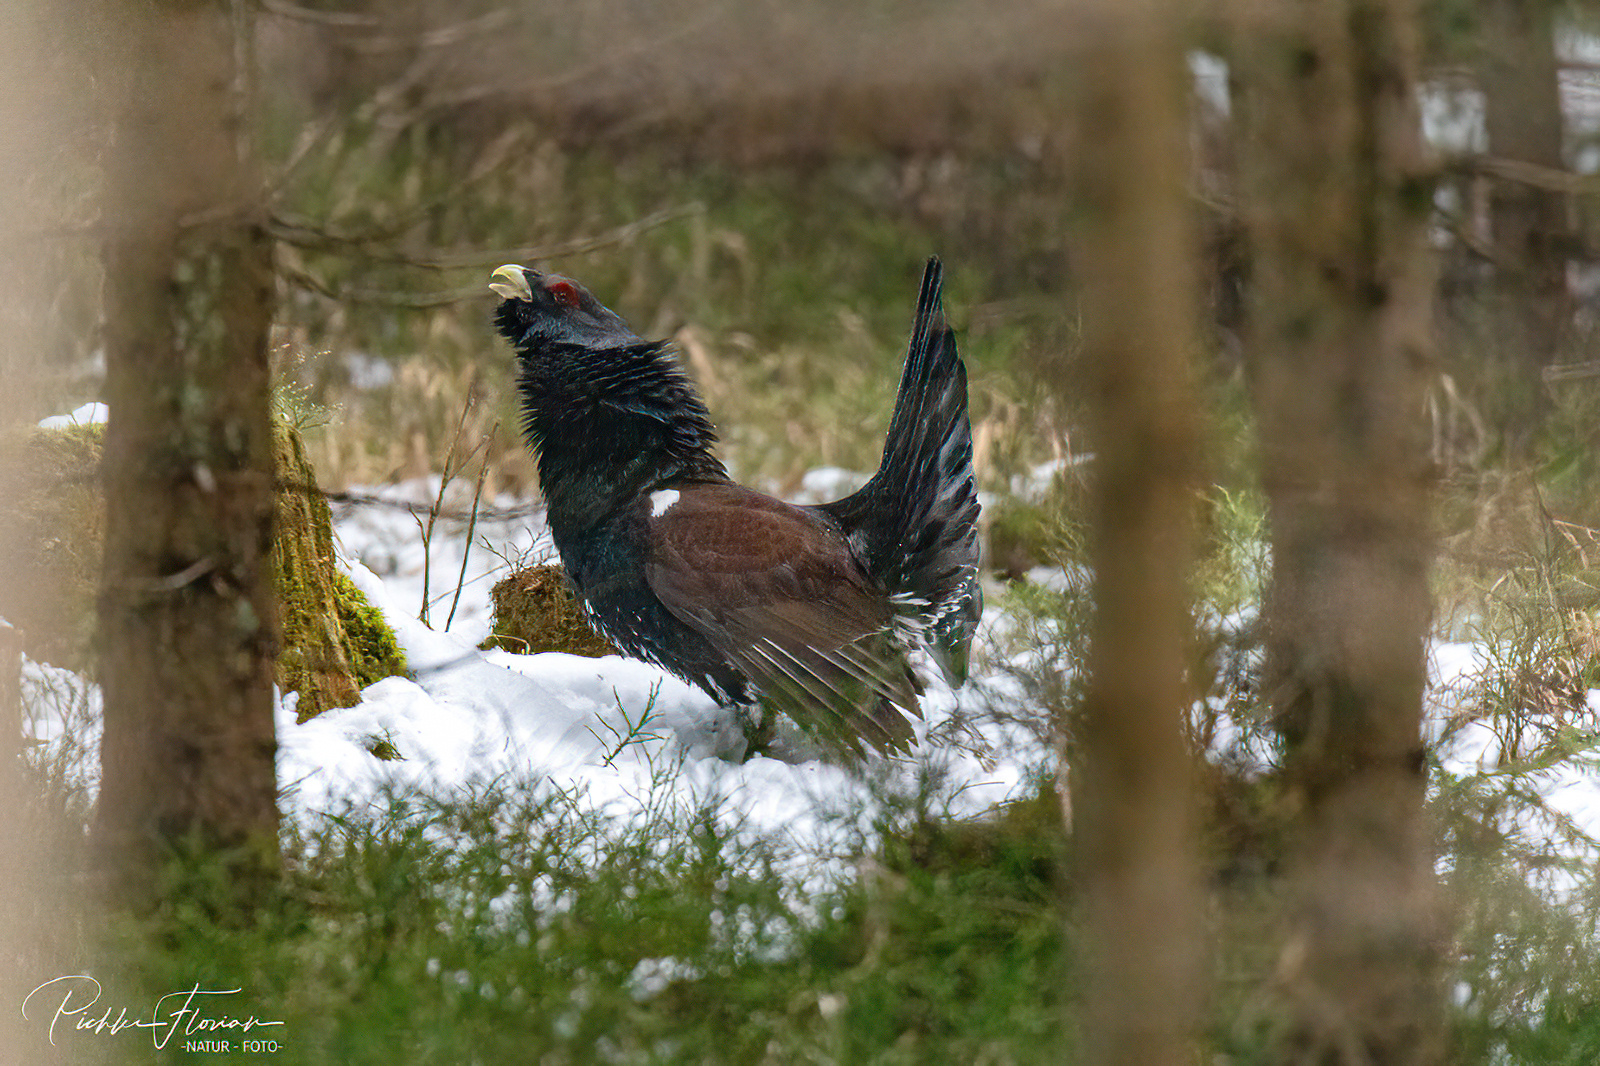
1551,179
626,54
485,512
341,19
302,236
575,246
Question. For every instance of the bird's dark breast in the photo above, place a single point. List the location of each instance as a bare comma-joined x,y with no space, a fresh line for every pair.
606,567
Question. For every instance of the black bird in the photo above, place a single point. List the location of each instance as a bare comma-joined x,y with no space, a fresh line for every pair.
813,608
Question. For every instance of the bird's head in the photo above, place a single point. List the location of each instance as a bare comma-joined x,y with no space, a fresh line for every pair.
538,309
609,413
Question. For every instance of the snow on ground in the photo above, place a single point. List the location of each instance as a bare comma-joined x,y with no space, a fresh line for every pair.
90,414
1569,788
827,483
386,538
579,724
470,716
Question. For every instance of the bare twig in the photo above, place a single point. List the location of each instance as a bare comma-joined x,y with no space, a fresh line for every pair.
1462,230
313,135
321,236
627,54
1551,179
438,504
369,499
1572,371
384,99
417,301
472,524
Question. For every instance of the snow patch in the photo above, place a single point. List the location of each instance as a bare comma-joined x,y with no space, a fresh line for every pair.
90,414
828,483
619,731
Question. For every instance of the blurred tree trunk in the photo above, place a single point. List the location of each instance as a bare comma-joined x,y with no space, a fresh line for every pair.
1339,195
1135,807
1530,226
187,618
47,92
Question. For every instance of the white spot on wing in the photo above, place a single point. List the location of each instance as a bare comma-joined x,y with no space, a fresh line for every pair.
661,500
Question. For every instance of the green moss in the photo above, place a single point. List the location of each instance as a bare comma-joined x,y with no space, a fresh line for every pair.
535,611
334,643
374,652
381,746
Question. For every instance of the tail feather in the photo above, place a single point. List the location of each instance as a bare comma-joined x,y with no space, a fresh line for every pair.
914,524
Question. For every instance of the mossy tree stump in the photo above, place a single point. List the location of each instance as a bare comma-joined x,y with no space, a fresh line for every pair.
535,611
334,642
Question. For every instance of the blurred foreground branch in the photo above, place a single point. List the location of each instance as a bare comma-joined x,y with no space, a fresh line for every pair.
1137,800
1340,195
187,614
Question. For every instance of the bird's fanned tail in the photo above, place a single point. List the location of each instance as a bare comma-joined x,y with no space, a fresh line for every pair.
914,524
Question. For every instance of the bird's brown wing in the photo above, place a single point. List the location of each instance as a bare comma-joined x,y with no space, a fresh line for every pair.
778,593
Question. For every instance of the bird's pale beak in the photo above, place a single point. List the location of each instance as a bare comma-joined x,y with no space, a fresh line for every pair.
511,281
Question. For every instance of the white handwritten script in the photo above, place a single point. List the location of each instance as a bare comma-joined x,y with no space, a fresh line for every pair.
70,1002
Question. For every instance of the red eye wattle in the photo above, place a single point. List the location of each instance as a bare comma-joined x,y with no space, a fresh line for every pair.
564,293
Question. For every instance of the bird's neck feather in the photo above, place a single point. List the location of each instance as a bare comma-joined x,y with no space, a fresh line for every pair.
610,425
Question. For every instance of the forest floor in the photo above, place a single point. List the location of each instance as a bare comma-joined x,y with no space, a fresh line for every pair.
594,818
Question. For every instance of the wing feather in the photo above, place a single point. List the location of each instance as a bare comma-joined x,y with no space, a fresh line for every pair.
778,592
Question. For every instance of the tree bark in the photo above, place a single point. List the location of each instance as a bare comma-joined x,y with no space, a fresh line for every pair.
1531,229
188,622
1136,809
1339,199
